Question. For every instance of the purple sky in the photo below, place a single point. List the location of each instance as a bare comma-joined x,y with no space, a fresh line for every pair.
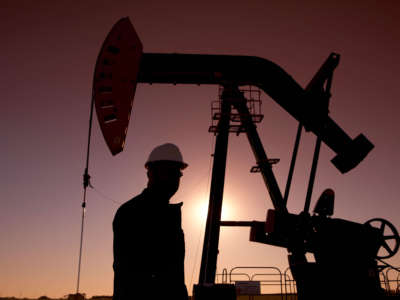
47,57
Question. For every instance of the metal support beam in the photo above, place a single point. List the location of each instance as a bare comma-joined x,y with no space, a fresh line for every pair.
325,107
292,163
259,153
238,223
211,237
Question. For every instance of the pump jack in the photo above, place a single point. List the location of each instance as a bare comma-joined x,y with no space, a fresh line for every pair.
335,243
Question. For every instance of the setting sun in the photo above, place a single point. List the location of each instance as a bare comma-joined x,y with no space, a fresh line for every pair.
202,210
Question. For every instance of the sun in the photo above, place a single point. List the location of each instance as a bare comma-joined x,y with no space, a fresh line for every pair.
201,211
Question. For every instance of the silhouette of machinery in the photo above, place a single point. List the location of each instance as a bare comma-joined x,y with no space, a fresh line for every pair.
336,244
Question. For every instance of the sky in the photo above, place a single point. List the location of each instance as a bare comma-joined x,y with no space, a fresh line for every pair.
47,57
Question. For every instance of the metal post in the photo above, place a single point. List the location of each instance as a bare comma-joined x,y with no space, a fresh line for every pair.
81,242
259,153
211,238
323,74
312,176
86,183
292,163
326,94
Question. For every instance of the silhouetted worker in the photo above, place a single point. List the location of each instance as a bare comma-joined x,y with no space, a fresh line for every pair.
149,246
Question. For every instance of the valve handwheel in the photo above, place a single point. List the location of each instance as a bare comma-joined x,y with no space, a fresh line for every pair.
389,241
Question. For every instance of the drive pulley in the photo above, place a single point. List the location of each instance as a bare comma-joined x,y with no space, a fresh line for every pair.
389,241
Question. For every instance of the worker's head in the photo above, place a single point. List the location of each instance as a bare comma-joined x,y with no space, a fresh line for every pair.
164,169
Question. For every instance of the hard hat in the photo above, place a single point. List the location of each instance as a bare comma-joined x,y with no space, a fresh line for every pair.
166,152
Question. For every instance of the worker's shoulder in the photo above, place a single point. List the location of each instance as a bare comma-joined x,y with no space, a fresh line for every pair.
131,206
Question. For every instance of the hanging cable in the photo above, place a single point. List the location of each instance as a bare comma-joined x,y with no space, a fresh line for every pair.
102,195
